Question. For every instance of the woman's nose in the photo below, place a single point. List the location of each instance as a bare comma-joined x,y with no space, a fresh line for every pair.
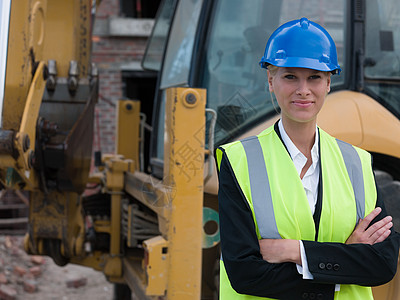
303,88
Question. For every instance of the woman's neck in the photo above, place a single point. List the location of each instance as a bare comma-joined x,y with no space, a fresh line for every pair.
301,134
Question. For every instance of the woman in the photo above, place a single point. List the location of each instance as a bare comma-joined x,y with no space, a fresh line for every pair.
299,212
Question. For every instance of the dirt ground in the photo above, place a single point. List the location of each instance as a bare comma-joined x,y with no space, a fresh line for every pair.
36,277
53,285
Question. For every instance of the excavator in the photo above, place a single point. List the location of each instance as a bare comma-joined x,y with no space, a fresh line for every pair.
147,216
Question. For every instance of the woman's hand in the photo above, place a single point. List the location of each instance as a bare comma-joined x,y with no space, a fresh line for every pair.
378,232
279,251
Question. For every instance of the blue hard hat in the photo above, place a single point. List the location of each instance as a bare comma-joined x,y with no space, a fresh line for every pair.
302,44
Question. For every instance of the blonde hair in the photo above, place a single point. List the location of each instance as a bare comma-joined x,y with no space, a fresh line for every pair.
273,69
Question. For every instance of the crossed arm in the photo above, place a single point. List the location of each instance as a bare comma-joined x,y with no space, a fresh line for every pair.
285,250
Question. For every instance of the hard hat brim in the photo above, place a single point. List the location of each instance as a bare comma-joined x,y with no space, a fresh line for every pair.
302,62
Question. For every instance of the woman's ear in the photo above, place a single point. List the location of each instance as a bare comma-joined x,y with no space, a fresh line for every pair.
270,77
328,87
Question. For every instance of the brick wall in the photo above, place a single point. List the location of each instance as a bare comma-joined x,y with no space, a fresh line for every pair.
107,8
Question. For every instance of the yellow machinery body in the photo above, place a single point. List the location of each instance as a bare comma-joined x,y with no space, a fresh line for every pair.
50,91
157,234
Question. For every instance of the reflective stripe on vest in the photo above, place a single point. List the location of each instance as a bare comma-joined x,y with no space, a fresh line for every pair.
260,189
353,162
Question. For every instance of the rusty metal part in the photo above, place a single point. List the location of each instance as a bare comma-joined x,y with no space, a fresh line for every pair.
56,225
26,143
31,158
7,143
190,98
47,128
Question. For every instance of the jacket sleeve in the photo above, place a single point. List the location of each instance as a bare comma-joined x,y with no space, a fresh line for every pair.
361,264
247,271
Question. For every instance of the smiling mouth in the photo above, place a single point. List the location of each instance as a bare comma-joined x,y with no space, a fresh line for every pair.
303,103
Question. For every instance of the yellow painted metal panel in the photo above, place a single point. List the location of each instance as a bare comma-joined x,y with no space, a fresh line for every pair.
72,19
360,120
183,170
156,267
41,30
19,61
127,137
340,114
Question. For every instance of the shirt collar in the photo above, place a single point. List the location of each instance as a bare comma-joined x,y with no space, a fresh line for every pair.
294,152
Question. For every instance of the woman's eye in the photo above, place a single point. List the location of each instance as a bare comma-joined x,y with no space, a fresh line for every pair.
290,77
315,77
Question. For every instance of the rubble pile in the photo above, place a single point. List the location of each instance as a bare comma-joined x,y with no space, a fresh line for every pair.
22,274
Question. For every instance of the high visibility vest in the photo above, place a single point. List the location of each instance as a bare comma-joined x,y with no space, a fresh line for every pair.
274,191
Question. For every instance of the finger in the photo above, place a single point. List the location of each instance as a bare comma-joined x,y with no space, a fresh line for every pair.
378,225
373,214
385,234
379,235
367,220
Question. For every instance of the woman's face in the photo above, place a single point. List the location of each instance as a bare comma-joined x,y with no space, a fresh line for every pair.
300,92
